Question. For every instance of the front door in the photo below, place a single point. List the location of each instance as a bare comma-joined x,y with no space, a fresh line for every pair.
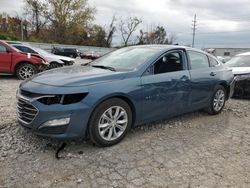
166,89
5,60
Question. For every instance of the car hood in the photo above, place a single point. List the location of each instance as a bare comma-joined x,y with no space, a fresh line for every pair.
52,59
60,57
240,70
76,76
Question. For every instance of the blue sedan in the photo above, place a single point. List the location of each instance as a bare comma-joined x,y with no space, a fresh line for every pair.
131,86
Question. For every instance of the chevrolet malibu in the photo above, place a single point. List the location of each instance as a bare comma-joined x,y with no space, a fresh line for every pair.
125,88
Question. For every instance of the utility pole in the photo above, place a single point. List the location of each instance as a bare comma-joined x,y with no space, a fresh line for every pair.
194,27
22,29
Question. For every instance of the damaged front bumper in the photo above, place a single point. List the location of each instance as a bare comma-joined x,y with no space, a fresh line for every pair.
43,67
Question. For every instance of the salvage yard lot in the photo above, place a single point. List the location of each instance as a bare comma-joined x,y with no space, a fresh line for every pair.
194,150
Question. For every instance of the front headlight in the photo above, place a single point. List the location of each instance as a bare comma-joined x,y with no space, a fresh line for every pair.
45,62
62,99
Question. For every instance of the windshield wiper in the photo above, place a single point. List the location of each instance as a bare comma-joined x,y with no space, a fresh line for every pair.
104,67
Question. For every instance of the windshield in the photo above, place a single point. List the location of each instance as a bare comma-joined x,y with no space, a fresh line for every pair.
126,58
239,61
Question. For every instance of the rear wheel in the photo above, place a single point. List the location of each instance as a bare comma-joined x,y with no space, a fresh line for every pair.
25,71
110,122
217,101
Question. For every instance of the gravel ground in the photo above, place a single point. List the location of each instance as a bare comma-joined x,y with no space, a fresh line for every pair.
194,150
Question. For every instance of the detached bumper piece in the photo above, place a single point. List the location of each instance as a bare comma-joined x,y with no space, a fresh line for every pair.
242,86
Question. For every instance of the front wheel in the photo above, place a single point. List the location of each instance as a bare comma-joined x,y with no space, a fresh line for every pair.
217,101
25,71
110,122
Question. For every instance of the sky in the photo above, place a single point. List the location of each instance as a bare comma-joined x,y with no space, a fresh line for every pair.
220,23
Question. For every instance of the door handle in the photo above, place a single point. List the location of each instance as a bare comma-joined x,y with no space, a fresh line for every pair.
184,78
212,74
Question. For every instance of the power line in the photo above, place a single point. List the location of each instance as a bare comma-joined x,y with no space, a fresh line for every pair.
194,25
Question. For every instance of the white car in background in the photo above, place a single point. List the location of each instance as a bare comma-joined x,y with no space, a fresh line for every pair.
54,60
240,65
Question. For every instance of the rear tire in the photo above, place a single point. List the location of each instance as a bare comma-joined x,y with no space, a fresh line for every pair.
217,101
25,71
110,122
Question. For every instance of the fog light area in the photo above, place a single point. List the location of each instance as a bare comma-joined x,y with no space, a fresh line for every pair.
56,122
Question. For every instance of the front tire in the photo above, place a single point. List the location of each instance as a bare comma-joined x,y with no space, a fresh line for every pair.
110,122
54,65
217,101
25,71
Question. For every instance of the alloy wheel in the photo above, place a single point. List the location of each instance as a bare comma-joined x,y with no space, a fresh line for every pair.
219,100
26,72
113,123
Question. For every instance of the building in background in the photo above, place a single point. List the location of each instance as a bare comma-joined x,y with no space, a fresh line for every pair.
226,52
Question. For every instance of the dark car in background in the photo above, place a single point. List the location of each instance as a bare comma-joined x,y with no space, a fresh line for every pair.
69,52
240,65
125,88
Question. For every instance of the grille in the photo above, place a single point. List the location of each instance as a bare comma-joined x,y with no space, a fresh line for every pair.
26,112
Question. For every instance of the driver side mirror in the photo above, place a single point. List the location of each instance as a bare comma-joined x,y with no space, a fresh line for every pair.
164,59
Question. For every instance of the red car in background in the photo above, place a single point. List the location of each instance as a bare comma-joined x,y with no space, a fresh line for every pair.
90,55
23,65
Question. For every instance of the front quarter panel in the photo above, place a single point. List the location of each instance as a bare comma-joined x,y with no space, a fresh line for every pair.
129,88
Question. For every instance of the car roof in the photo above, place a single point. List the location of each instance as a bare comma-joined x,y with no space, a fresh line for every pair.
164,47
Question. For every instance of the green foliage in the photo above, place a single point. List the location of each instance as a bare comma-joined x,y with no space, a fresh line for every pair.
8,37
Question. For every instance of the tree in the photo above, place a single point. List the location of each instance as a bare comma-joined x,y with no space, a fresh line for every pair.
66,14
157,36
127,27
10,27
38,10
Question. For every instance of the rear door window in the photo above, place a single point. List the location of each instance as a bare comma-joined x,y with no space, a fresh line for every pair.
198,60
213,62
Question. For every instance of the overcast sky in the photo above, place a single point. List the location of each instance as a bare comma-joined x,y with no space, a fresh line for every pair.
219,22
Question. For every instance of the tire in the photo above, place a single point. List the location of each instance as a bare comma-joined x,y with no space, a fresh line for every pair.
55,65
217,101
25,71
104,129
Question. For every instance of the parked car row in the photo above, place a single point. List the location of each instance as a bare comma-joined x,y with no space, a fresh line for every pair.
23,65
24,60
54,60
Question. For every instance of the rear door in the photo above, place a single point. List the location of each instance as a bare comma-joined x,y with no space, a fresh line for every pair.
202,79
5,59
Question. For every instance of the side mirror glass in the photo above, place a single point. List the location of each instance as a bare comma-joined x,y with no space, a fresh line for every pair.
164,59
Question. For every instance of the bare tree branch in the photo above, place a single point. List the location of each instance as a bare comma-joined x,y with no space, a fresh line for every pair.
128,27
